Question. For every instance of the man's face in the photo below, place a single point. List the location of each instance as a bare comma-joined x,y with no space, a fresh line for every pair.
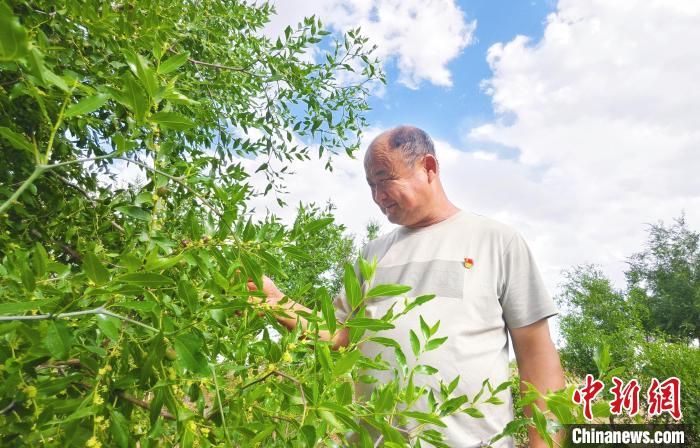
399,190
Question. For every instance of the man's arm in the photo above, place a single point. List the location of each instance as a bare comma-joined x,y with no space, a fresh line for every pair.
538,364
340,338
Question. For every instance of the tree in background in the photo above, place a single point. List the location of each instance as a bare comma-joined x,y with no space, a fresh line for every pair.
666,277
651,328
594,313
328,249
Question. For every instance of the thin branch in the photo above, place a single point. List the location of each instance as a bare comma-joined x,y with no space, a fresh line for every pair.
209,64
98,310
144,404
66,248
301,391
221,407
8,408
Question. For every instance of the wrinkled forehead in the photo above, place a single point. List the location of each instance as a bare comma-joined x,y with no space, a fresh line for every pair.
380,161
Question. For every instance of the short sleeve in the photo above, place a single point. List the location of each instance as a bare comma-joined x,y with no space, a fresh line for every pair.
524,297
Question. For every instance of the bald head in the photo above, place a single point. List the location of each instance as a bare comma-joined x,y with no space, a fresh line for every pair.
410,142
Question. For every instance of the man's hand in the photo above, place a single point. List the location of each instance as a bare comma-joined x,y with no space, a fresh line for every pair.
538,364
273,294
289,318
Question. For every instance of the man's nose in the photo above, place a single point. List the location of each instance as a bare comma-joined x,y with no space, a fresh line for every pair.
378,195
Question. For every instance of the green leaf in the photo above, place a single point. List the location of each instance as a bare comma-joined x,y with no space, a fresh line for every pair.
14,43
119,427
20,307
173,63
453,404
94,269
135,212
423,417
353,293
327,310
55,80
135,99
19,141
109,326
435,343
369,324
40,260
601,357
425,369
346,362
317,224
474,412
143,71
252,268
146,279
173,120
415,343
420,300
58,339
187,293
387,291
262,434
188,348
87,105
424,328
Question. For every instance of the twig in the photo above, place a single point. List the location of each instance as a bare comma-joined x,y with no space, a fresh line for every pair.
301,391
209,64
66,248
87,196
144,404
98,310
221,407
8,408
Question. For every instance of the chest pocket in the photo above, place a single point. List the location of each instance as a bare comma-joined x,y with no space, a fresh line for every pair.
444,278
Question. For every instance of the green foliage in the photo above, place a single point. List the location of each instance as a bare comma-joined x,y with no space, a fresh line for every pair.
595,314
661,360
124,313
326,248
648,331
666,276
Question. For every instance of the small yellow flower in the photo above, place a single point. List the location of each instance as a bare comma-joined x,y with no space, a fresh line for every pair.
30,391
105,369
205,431
292,346
286,357
99,419
192,426
93,443
98,400
271,367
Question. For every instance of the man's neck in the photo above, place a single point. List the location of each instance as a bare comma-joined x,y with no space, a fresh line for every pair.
438,214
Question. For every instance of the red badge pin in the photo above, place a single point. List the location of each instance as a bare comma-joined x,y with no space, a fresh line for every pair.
468,263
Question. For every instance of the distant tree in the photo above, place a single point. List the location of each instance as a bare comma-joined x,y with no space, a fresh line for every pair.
666,276
372,230
326,251
594,313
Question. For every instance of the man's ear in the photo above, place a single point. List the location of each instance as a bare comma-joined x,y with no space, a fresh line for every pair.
430,164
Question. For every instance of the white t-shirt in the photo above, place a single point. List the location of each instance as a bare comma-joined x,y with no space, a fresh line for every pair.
475,304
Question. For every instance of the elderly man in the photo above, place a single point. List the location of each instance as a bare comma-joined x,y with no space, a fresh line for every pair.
482,272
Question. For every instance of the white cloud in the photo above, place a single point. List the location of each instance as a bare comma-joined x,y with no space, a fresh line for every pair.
420,37
603,110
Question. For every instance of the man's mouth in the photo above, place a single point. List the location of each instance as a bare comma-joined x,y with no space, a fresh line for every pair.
389,207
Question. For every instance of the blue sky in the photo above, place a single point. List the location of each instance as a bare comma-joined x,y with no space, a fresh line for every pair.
447,112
